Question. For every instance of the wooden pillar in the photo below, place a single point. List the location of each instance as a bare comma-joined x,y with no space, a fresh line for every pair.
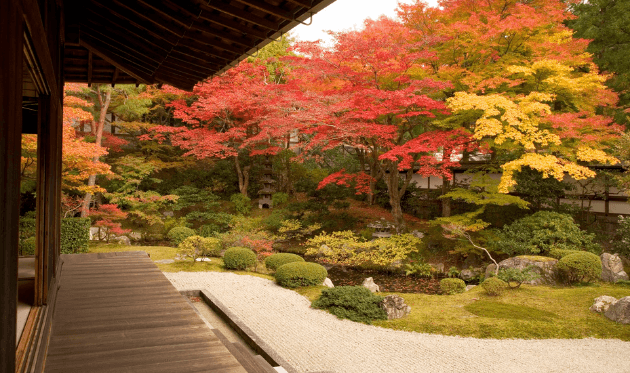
11,43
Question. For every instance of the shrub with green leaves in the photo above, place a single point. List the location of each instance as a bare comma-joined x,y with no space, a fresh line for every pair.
296,274
197,246
279,199
515,277
452,286
580,267
355,303
537,234
621,244
75,235
242,203
27,246
177,235
494,286
208,230
346,248
274,261
239,258
560,253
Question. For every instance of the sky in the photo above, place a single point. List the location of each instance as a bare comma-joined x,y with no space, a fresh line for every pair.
346,15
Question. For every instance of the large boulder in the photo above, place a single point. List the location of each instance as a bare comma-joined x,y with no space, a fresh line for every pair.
542,265
395,307
122,240
612,268
471,273
369,283
619,311
602,303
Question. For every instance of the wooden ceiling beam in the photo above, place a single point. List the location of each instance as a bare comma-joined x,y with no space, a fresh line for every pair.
194,50
195,60
268,8
241,14
223,34
181,73
117,37
184,84
164,40
158,19
303,3
201,39
153,58
189,69
106,53
170,13
89,69
209,16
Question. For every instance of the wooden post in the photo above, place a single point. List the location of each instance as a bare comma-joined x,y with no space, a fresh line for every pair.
11,43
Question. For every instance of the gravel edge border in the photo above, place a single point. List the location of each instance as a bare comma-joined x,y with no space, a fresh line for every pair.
248,335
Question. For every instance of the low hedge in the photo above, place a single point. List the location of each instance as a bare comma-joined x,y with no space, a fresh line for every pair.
274,261
239,258
75,235
177,235
494,286
561,253
452,286
355,303
580,267
297,274
27,246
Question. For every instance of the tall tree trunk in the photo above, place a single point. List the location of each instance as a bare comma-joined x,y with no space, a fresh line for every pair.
446,202
396,190
104,104
243,176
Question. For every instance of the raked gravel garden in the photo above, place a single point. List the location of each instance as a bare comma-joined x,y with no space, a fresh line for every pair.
313,340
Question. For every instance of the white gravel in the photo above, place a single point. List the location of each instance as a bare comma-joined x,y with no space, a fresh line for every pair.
313,340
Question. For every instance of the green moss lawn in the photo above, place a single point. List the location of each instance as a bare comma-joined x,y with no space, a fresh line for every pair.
529,312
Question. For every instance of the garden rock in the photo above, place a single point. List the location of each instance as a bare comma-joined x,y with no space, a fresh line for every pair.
122,240
469,274
328,283
619,311
369,283
439,267
468,287
395,307
543,266
612,268
602,303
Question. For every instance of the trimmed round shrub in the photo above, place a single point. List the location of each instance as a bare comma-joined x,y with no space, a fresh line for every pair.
452,286
292,275
177,235
355,303
239,258
274,261
494,286
538,233
28,246
196,246
561,253
580,267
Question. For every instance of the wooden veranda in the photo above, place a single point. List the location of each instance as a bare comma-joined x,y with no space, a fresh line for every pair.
45,43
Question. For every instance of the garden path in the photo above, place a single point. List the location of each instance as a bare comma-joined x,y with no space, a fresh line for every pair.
313,340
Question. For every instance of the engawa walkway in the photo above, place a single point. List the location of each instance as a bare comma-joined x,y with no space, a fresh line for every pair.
118,313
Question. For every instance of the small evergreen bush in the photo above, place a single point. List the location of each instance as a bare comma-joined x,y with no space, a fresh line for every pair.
239,258
274,261
561,253
196,246
517,276
208,230
494,286
177,235
292,275
242,203
75,235
355,303
27,246
452,286
537,234
580,267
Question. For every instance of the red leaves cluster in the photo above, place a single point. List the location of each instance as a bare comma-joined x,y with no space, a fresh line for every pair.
359,181
262,247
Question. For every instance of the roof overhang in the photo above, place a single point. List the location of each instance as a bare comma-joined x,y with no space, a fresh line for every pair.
177,42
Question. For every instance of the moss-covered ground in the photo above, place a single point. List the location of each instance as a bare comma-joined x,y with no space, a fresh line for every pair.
531,312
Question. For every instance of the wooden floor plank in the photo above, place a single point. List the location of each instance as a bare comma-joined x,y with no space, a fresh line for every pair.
116,312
